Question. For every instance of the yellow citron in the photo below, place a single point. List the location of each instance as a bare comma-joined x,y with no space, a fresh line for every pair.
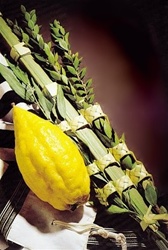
49,161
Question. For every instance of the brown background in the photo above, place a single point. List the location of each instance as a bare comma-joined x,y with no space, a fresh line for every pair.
124,49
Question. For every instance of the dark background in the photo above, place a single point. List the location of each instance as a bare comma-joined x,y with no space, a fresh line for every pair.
125,49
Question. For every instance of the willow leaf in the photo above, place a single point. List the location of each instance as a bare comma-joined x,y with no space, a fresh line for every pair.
61,102
21,75
150,195
14,83
135,201
113,209
43,102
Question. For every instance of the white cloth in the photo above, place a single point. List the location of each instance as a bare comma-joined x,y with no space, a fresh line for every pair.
32,228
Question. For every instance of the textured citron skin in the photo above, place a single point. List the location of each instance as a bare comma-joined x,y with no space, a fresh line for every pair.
49,161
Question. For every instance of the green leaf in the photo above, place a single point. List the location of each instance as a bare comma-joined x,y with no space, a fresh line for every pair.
71,70
123,137
82,73
49,44
56,23
150,195
97,124
79,86
135,201
63,44
16,30
46,49
105,140
162,210
61,102
46,105
107,129
14,83
51,58
34,17
62,30
56,32
76,62
81,93
66,37
113,209
39,57
10,23
69,57
21,75
89,91
41,42
36,29
64,79
30,24
29,31
32,13
56,56
73,90
25,38
88,83
74,79
63,71
27,16
91,99
70,97
55,75
23,9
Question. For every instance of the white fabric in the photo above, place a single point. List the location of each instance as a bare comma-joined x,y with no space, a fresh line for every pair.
33,229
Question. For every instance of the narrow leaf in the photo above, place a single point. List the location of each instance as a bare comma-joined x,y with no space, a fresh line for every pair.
61,102
14,82
150,195
107,129
113,209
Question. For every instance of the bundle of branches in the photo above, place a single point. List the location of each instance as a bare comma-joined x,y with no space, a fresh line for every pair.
50,75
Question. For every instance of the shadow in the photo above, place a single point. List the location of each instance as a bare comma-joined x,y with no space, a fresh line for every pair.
41,214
